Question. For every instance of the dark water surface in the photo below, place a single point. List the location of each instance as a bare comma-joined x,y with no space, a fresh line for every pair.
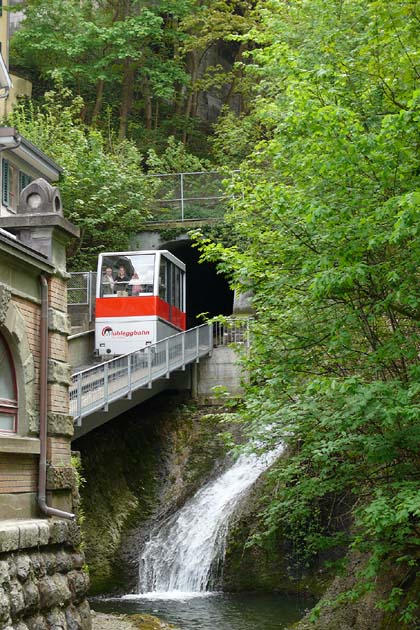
216,611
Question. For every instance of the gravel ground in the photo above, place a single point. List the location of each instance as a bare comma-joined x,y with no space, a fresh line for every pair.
100,621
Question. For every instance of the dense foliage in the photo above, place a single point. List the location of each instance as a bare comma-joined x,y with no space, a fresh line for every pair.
322,114
328,232
144,65
103,188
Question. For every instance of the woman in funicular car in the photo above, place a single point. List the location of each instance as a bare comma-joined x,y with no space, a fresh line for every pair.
122,281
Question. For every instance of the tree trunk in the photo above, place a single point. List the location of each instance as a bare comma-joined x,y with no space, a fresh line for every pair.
98,101
148,109
192,67
126,97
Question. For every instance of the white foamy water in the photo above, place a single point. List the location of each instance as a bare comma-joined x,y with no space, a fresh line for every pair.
185,553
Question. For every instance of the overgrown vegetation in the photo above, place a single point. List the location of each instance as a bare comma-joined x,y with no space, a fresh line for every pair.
141,65
322,115
327,237
103,189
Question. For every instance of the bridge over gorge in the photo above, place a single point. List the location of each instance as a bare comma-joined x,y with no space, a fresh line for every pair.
103,390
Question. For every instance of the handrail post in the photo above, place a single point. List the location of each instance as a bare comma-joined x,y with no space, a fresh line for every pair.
183,350
149,365
210,337
106,371
89,296
167,356
197,343
79,400
182,195
129,376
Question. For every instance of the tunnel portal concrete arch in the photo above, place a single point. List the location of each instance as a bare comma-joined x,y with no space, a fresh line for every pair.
207,291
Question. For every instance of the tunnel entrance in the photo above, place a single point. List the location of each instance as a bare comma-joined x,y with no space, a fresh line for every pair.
207,291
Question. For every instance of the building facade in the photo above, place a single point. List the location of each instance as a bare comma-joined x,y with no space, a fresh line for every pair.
42,579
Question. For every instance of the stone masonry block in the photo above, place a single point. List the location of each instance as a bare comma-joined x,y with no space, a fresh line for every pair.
5,296
56,620
58,532
23,567
28,535
64,561
37,623
38,565
33,423
59,372
16,599
58,321
77,560
50,563
29,370
9,538
74,621
4,606
60,424
53,591
78,582
44,532
61,478
85,616
4,573
31,597
74,534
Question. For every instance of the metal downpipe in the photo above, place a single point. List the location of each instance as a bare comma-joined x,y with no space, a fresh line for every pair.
43,410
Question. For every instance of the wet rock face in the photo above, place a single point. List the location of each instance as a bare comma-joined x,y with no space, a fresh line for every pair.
43,586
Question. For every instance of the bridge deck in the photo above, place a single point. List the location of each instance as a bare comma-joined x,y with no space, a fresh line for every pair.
96,387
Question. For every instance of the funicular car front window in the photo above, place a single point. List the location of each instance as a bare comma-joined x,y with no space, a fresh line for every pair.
125,275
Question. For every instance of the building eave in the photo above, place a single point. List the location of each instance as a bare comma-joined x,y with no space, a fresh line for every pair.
13,247
12,141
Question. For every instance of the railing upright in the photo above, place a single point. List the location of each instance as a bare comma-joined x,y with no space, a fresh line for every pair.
182,195
79,400
149,366
90,294
183,351
106,386
129,376
167,357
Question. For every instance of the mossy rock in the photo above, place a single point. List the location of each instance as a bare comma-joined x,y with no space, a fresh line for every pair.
148,622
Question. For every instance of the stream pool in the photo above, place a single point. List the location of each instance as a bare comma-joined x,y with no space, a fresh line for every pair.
213,611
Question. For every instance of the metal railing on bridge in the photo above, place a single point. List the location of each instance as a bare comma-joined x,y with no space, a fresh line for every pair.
81,288
96,387
190,196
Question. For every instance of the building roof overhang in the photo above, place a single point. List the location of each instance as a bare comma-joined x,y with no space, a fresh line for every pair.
11,140
12,247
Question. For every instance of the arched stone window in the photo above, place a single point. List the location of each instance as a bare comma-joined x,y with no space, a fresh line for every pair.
8,390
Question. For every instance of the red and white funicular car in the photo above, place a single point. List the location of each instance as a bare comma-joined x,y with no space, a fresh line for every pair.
140,299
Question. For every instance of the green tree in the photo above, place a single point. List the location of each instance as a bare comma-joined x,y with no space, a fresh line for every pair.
103,188
327,232
117,50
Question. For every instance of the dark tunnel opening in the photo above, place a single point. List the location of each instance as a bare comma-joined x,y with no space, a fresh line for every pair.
207,291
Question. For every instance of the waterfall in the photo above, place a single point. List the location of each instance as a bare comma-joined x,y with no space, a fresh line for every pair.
186,551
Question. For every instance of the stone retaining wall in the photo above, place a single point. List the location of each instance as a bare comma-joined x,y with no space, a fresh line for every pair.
43,584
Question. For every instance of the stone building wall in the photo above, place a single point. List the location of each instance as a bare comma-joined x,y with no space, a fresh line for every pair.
43,583
42,577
